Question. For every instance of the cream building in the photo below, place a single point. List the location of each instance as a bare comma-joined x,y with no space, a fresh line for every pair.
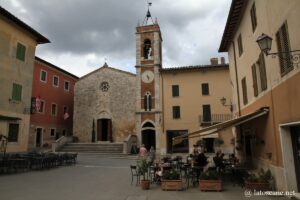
191,101
266,86
17,50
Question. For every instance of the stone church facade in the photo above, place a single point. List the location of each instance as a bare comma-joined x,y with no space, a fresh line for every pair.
104,106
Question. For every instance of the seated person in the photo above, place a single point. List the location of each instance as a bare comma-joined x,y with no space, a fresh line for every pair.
159,172
210,164
233,160
201,160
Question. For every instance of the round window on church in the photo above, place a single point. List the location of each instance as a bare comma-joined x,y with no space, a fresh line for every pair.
104,86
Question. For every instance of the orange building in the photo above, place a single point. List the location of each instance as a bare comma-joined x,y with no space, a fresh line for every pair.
53,93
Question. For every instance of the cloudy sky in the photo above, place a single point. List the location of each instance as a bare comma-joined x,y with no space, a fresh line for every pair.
83,33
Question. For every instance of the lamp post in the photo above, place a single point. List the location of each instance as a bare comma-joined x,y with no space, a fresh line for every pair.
265,43
223,102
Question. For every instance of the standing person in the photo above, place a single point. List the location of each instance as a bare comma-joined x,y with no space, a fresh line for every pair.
152,154
143,151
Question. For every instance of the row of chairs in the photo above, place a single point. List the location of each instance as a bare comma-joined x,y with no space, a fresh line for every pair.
20,162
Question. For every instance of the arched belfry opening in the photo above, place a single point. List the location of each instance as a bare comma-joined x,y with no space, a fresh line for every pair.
147,49
147,101
148,135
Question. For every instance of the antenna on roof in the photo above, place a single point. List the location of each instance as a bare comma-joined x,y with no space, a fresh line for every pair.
148,15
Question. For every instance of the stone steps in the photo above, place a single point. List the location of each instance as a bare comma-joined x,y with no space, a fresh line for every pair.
109,148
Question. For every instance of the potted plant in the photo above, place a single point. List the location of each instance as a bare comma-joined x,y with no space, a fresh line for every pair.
171,180
210,180
260,181
142,167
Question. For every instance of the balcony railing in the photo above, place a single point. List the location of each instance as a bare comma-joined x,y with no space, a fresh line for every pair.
214,119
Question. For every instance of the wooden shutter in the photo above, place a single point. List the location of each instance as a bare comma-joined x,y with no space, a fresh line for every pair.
21,50
145,102
254,77
17,92
253,17
150,102
206,113
240,45
244,88
176,112
283,45
262,72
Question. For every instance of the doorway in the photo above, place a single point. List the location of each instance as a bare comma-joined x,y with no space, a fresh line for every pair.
104,130
295,134
148,138
38,137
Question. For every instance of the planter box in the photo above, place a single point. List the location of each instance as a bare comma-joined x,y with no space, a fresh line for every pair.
257,186
145,184
208,185
171,185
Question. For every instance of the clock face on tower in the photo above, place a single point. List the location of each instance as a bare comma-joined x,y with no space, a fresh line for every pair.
147,76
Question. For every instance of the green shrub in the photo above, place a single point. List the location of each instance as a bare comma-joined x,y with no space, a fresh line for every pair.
209,175
171,175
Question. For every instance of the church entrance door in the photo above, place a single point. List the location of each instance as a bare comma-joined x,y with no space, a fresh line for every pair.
104,130
148,138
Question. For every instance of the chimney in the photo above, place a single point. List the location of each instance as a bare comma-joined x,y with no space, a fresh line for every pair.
222,61
214,61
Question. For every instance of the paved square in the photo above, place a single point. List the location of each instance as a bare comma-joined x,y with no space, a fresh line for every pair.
96,177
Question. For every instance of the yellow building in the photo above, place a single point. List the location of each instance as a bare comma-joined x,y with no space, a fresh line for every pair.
17,50
266,88
191,101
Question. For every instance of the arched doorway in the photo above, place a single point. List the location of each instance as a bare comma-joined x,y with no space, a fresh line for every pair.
148,135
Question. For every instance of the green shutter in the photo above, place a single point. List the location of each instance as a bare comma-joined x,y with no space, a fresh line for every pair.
17,92
262,71
254,77
175,90
205,89
21,51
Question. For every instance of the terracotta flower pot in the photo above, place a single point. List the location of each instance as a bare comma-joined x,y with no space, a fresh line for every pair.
171,185
259,186
145,184
208,185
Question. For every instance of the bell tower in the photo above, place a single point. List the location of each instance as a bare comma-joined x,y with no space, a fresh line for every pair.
148,64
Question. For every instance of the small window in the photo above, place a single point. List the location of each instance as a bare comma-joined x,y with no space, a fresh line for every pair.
65,109
66,85
53,109
253,17
55,81
176,112
240,45
147,101
206,113
13,132
244,88
41,106
147,49
64,132
52,132
21,51
16,92
43,76
283,44
175,90
205,89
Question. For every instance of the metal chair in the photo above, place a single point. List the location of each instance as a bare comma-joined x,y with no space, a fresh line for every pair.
134,173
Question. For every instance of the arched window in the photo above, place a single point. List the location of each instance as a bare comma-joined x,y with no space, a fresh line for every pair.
147,49
147,101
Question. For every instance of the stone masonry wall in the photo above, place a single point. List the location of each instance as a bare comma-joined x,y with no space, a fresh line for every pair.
117,104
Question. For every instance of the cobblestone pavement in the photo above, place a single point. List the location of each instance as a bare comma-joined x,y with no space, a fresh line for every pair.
97,177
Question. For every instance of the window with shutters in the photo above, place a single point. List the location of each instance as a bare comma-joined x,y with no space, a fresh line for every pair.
42,106
244,88
52,132
53,109
43,76
259,75
205,89
175,90
176,112
21,52
253,17
240,45
206,113
13,132
283,44
16,92
66,85
55,81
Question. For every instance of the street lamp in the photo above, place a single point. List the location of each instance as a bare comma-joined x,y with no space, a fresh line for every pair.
223,102
265,43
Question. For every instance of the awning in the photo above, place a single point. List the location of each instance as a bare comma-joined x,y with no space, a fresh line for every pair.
218,127
8,118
